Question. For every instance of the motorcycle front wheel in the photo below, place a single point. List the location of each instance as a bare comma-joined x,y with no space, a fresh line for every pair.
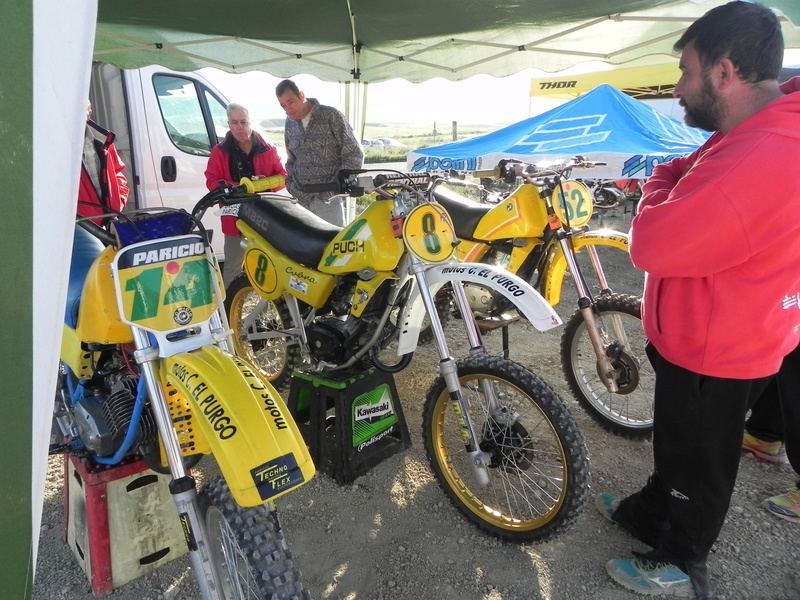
539,468
276,357
247,548
629,411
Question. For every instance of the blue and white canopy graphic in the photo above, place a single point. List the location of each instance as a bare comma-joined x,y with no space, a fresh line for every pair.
602,125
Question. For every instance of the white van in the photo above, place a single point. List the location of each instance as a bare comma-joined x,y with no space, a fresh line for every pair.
166,124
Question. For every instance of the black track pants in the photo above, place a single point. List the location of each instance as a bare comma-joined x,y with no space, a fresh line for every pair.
697,442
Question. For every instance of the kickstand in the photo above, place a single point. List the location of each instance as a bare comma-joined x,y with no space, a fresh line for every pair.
505,341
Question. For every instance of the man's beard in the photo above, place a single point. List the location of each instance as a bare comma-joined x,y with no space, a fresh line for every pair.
705,111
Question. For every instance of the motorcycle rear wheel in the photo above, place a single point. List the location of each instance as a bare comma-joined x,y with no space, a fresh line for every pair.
247,548
276,357
539,471
630,411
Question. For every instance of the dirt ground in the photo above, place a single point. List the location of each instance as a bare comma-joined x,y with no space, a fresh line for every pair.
394,535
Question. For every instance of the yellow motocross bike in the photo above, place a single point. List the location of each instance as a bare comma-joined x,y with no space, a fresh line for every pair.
317,298
539,231
147,370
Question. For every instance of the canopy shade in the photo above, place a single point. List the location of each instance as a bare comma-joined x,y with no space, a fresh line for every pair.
377,40
603,125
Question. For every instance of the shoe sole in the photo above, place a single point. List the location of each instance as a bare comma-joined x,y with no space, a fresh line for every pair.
675,592
766,504
603,508
783,459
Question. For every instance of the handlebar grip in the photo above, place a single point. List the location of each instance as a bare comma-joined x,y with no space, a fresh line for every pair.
254,186
493,174
328,186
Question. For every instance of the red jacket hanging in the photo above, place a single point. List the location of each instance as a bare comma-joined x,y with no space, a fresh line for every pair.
114,190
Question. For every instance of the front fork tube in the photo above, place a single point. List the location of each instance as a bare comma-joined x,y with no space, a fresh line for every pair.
182,486
586,305
598,269
449,370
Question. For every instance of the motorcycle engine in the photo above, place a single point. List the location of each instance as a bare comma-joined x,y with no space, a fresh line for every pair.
482,300
103,419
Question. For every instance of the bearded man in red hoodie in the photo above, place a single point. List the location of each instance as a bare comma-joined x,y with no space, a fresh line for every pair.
718,234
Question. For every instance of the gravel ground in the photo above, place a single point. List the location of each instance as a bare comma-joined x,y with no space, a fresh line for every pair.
394,535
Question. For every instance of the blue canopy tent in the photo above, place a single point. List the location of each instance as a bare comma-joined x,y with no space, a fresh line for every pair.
602,125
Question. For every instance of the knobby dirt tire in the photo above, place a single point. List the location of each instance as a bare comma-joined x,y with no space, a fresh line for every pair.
263,565
276,358
628,413
539,470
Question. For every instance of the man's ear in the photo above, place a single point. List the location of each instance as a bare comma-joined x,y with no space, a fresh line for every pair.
726,74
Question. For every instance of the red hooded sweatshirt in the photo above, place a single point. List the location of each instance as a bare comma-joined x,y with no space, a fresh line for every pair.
718,234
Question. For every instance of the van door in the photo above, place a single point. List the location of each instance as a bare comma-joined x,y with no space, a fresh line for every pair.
185,118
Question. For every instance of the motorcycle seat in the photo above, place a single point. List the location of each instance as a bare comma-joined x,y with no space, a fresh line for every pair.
291,229
85,249
465,213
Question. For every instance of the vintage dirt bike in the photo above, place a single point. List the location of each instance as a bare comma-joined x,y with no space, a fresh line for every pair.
147,370
538,232
319,298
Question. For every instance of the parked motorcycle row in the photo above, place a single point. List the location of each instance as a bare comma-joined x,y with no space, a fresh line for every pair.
159,361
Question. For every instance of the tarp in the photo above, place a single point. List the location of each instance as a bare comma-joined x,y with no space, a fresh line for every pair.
376,40
46,60
603,125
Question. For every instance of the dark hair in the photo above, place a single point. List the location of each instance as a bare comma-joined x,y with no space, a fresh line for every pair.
747,33
287,85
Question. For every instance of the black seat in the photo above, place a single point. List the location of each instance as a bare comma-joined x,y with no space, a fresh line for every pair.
289,228
465,213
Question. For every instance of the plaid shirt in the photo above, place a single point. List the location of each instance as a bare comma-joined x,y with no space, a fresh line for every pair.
317,152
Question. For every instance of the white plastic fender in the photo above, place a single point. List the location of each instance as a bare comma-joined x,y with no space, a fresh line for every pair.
529,302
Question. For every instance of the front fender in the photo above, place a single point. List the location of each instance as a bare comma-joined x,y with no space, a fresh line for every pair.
252,435
518,291
555,273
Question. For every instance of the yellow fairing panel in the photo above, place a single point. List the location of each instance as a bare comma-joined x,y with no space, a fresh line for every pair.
72,353
98,316
254,439
555,274
272,273
365,290
523,214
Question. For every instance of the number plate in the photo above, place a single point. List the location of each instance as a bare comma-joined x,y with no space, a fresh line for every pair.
573,204
429,234
165,284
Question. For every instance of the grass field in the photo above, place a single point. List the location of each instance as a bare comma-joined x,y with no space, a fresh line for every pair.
414,136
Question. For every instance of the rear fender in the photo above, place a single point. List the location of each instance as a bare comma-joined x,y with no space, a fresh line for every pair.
555,272
252,435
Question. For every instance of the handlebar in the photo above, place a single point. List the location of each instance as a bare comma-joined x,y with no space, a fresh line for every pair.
357,182
121,229
510,169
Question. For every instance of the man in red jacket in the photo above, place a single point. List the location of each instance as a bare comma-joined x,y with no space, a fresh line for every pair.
718,234
243,153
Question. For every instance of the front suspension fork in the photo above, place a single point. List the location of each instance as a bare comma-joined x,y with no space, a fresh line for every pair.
605,367
448,367
182,487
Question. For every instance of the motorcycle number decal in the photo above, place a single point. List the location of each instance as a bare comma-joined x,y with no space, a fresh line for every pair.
573,204
429,234
260,270
163,285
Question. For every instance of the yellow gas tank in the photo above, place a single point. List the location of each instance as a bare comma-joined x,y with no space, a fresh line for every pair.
522,215
368,241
